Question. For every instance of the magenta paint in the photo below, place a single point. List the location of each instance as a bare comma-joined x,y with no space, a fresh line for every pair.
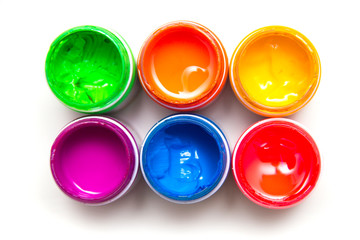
94,160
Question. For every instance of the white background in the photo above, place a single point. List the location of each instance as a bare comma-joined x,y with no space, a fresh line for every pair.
32,206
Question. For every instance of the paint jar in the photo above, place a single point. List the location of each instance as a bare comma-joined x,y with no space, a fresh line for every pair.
183,66
91,70
276,163
94,160
185,158
275,71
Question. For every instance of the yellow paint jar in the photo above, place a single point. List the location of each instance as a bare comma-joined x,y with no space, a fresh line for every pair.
275,71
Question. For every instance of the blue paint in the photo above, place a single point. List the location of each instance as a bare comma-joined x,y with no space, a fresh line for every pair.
185,157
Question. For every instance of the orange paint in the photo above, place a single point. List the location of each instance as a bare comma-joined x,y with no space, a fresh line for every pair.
182,66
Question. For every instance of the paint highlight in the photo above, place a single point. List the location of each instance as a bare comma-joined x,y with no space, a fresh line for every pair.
182,65
276,163
90,69
183,160
93,161
275,71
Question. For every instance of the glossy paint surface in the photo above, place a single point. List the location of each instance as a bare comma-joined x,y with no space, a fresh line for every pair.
89,68
275,70
182,64
92,160
276,163
183,160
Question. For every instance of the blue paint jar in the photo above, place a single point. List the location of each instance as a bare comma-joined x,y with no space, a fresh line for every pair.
185,158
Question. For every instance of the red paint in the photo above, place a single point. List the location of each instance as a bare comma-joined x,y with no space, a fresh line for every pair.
276,163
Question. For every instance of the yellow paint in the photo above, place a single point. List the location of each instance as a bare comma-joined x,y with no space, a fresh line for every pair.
275,70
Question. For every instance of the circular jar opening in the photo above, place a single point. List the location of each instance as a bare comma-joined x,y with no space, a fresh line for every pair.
276,163
185,158
90,69
183,66
275,71
94,160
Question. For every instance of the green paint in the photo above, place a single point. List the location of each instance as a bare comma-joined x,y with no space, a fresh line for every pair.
90,69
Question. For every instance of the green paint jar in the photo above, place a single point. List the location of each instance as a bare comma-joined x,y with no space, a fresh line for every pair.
91,69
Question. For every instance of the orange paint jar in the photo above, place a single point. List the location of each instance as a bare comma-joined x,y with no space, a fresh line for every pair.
183,66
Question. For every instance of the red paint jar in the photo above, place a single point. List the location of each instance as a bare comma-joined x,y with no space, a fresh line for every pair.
276,163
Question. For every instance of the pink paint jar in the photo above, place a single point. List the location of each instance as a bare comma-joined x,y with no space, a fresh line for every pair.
94,160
